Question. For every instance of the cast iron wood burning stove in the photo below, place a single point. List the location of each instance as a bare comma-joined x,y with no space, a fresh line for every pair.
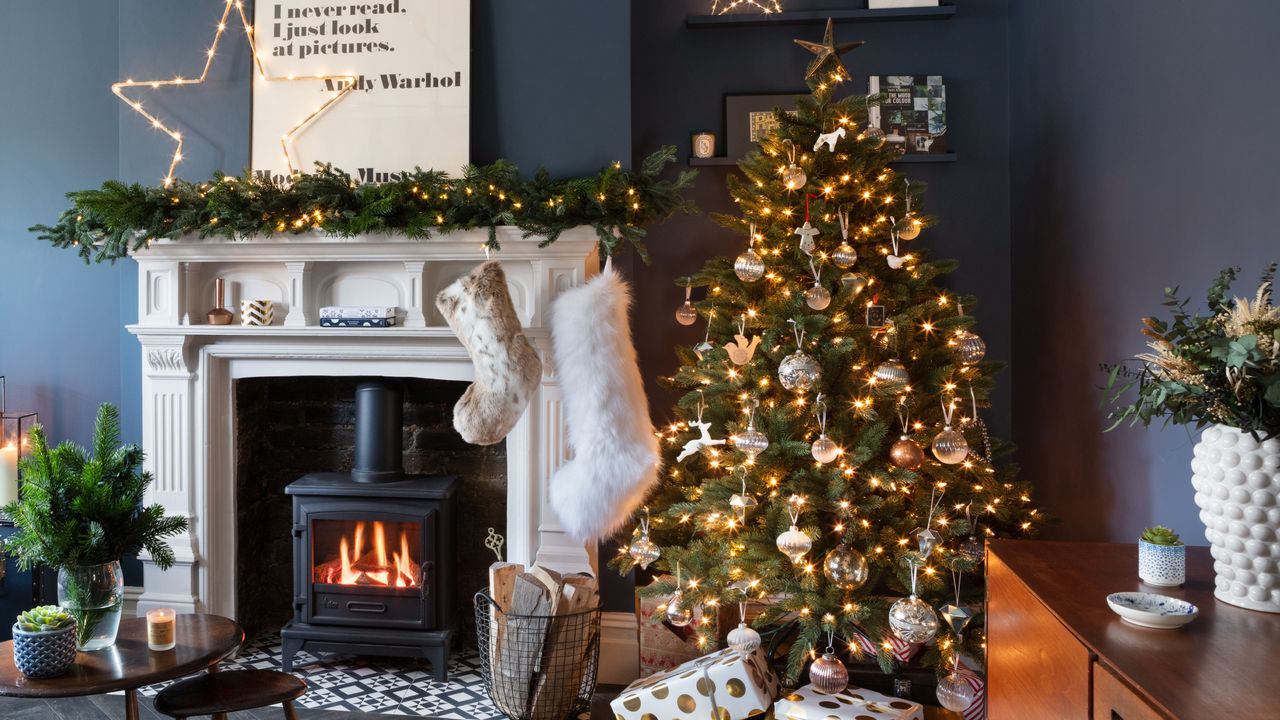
373,549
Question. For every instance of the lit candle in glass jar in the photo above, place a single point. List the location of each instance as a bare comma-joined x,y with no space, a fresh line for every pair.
160,628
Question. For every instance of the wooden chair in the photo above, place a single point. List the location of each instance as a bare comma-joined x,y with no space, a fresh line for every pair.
219,693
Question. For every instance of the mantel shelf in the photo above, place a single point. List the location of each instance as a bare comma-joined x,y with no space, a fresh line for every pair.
311,331
804,17
720,160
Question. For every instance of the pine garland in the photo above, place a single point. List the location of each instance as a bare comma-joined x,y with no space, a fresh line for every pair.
107,223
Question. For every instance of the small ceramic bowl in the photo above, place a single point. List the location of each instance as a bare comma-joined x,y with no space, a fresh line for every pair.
1151,610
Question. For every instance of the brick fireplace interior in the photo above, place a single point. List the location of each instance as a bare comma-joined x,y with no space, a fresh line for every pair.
289,427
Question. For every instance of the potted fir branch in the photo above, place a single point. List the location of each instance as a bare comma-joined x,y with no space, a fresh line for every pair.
44,642
1162,558
81,512
1220,373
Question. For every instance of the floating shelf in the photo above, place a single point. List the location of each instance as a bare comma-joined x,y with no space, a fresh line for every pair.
804,17
720,160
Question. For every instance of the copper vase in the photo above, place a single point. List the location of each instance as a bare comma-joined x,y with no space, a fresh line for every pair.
219,315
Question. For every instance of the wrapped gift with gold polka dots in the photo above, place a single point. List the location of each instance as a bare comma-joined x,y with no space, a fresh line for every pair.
852,704
724,685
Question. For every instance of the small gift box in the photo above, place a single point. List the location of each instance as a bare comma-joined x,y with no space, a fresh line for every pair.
663,646
724,685
809,704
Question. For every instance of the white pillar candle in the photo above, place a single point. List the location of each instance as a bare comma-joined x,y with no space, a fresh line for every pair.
8,474
161,624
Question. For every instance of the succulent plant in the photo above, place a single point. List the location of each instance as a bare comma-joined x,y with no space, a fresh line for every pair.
45,618
1161,535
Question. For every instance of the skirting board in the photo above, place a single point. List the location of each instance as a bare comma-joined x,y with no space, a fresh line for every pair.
619,648
131,595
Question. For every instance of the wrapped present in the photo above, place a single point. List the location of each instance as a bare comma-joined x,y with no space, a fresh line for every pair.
663,646
977,709
902,650
724,685
809,704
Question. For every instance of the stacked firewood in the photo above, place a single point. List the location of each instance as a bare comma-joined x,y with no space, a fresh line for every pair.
541,638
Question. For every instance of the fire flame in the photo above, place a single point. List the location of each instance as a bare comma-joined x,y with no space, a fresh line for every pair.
357,567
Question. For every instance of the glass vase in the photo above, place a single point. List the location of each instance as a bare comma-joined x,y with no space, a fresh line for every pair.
94,595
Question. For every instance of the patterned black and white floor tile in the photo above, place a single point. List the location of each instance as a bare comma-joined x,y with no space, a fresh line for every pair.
385,686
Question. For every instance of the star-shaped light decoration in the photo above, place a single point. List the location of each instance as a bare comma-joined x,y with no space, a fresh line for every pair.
828,51
345,83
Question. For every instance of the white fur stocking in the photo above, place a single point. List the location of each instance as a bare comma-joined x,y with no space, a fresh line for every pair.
479,311
615,452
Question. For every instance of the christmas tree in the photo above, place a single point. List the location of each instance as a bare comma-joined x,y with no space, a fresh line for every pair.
829,445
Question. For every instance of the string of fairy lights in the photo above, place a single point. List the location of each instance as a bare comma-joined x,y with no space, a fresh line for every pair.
345,84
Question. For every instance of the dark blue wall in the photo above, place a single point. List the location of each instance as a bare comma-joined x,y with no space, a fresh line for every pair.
57,133
1143,157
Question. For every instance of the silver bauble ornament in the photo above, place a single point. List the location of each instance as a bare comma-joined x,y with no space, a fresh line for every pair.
955,693
749,266
908,228
824,449
793,177
892,372
644,551
676,615
913,620
844,256
799,371
845,567
971,549
873,135
743,639
970,349
686,314
950,447
855,282
828,675
794,544
751,441
817,297
906,454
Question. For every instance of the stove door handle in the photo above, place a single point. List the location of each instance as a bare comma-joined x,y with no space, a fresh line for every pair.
366,607
428,570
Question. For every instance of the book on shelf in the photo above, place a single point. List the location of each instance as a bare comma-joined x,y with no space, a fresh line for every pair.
358,311
891,4
336,322
912,112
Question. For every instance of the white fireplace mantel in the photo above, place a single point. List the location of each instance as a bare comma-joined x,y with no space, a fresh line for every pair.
189,369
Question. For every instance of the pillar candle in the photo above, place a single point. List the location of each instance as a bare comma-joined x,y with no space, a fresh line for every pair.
161,623
8,474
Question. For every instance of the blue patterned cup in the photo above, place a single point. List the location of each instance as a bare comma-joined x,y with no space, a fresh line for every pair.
44,654
1162,565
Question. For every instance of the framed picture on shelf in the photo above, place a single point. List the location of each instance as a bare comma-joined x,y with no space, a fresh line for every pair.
749,118
912,112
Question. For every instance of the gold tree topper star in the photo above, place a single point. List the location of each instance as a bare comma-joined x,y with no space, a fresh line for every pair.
345,84
828,51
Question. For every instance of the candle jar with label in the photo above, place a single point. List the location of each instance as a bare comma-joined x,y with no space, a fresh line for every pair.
161,624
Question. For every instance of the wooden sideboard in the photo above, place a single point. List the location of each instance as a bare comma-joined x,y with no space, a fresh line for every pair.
1056,651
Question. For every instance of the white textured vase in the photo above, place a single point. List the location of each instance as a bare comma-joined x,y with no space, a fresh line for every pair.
1237,482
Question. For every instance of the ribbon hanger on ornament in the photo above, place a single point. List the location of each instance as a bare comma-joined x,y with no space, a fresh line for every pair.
843,216
820,412
799,333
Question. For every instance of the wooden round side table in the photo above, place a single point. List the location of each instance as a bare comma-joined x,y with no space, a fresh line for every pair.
202,642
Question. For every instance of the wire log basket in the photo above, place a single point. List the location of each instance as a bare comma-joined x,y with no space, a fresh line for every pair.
538,667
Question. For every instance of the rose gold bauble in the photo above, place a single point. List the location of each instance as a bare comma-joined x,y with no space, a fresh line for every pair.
906,454
828,675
